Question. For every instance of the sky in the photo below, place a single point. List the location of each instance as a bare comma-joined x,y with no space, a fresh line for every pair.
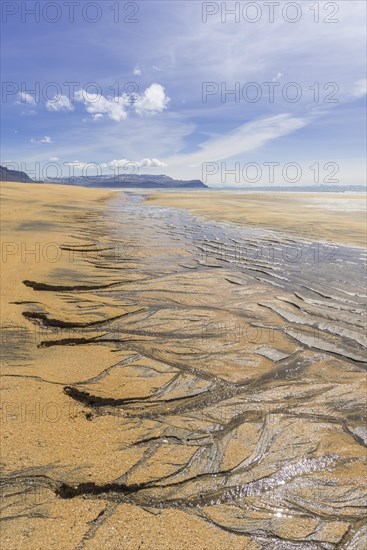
232,93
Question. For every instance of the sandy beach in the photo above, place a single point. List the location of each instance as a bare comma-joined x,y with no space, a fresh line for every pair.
171,382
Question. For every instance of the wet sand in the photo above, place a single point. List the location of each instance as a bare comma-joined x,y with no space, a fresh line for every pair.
169,382
337,218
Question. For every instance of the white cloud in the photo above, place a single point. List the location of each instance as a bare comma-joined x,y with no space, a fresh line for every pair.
137,71
153,162
360,88
45,139
96,104
26,98
147,162
153,100
120,163
278,77
54,159
59,103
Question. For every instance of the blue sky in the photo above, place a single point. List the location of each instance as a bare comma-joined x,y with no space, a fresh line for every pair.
138,79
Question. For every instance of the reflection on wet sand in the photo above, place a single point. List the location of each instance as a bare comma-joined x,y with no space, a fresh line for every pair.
223,389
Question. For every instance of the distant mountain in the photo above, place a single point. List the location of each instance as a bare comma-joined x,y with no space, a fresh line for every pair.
120,181
13,175
133,180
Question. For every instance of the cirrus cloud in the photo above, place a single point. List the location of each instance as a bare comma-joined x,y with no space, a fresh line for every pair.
243,139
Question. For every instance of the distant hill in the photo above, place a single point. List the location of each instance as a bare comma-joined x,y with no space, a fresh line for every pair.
14,175
133,180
